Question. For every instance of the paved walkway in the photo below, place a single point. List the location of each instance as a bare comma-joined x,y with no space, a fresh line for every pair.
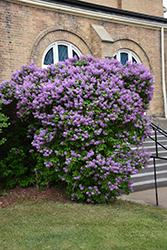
148,197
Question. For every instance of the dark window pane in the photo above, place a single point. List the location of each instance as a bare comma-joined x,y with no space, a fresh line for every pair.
133,60
124,58
49,57
115,57
75,54
63,52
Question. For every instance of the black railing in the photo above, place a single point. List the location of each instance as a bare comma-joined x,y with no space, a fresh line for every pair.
156,130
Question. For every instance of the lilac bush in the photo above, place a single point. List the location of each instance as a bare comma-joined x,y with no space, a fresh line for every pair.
3,124
83,115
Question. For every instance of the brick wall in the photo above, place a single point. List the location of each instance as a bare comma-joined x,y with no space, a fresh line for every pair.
145,43
150,7
21,26
110,3
25,33
51,35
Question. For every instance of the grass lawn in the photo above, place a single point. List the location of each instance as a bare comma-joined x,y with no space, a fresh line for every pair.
48,225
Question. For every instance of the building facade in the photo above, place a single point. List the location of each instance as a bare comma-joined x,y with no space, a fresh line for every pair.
47,31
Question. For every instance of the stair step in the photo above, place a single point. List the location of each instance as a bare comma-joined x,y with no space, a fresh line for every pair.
139,175
150,169
147,178
157,165
149,182
144,179
152,148
144,185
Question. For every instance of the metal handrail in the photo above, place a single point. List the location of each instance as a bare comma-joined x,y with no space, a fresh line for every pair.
161,131
155,139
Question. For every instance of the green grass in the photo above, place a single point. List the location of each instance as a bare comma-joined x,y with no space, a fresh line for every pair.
47,225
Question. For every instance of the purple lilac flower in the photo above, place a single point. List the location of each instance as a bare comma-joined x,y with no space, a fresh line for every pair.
81,110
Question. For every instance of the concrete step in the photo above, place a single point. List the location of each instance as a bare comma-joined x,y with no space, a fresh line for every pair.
150,144
159,167
151,173
158,162
152,150
149,184
159,137
144,179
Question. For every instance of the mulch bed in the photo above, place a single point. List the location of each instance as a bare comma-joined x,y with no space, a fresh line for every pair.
10,197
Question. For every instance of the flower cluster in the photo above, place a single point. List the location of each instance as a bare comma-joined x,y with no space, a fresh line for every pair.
83,115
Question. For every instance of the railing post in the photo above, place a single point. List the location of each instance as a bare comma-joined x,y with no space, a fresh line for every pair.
155,178
163,132
156,145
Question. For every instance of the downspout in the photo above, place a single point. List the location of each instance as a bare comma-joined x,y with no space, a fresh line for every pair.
163,71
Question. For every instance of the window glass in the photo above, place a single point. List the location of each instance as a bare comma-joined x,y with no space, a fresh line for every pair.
133,60
124,58
124,55
49,57
59,51
62,52
75,54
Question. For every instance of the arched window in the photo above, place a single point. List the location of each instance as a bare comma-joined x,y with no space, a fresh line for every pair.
59,51
124,55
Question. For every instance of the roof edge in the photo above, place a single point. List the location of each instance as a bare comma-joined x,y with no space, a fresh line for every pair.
108,10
